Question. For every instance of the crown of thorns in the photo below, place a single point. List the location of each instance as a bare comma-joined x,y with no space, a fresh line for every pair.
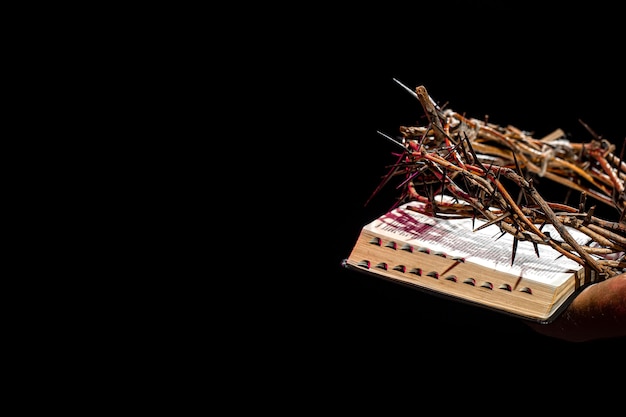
489,171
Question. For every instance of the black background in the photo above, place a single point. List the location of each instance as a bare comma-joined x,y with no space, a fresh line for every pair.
516,64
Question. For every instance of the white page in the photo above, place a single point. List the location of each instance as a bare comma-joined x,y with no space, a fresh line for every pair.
455,237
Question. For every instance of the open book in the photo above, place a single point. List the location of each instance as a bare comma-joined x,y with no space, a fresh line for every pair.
452,257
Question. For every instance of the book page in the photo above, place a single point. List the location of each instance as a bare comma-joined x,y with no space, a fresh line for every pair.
488,247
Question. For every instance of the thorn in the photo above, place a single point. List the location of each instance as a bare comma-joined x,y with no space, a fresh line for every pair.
385,180
443,181
477,161
589,216
413,93
548,237
583,201
586,126
474,215
501,234
496,220
536,246
517,166
394,141
514,250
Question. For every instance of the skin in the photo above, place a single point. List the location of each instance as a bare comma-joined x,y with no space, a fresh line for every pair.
598,312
